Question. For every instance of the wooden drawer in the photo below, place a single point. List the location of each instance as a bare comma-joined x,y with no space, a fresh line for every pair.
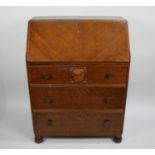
70,74
79,97
78,123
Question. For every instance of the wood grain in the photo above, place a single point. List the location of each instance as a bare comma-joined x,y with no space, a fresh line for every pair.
78,40
70,97
78,123
61,74
78,72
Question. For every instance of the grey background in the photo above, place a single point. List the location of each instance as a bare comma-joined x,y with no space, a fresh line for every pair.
15,116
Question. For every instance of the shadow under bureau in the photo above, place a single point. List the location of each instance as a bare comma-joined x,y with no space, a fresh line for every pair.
78,76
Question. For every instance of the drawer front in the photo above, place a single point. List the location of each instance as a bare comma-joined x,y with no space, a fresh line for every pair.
70,74
78,123
69,97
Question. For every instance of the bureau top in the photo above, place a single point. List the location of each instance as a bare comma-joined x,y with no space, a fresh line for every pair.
78,39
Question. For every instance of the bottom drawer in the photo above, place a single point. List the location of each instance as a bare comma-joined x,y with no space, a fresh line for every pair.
78,123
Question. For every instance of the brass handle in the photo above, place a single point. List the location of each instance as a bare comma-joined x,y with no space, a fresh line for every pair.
48,99
108,100
106,123
49,123
46,76
108,76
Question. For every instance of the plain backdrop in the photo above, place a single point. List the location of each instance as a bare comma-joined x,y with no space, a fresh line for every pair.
15,115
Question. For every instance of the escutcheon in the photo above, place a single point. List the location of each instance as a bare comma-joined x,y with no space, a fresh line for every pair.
78,75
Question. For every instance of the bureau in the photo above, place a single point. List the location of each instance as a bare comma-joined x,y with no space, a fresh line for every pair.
77,71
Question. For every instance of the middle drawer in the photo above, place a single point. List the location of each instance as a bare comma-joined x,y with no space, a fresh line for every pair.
69,97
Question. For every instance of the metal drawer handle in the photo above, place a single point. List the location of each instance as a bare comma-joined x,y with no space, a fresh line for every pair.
48,100
49,123
46,76
108,76
106,123
108,100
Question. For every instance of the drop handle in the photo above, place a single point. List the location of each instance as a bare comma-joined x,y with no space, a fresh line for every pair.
48,99
49,123
108,76
46,76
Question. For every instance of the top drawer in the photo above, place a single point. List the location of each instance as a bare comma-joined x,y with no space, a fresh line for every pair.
73,74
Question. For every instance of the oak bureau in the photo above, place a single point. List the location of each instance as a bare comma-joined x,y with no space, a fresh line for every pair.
78,75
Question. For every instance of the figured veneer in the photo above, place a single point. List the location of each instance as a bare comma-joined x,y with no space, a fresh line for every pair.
92,73
79,97
78,76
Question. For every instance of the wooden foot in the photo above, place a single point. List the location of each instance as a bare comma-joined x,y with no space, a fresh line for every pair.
38,139
117,139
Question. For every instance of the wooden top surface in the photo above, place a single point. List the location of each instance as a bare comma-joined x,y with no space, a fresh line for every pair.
78,39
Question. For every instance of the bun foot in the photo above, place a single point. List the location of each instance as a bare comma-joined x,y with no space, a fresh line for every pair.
38,139
117,139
